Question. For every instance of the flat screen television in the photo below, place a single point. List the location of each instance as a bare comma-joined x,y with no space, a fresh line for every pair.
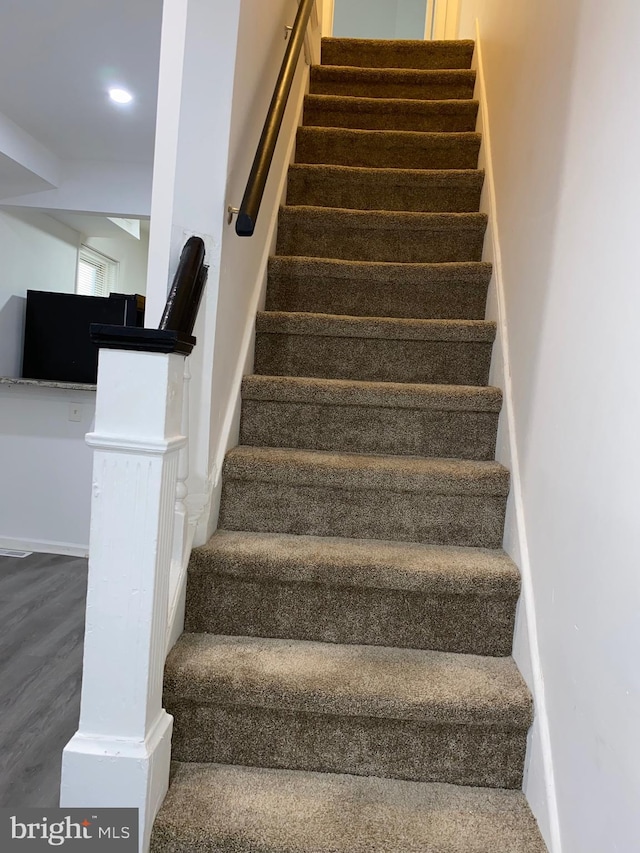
57,346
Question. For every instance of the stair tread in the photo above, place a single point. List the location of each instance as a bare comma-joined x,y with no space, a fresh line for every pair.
347,392
226,809
380,235
343,218
385,82
416,273
385,328
359,103
399,75
410,177
397,53
366,471
404,137
442,114
360,563
348,680
377,148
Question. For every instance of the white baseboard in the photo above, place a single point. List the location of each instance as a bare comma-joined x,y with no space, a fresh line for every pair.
44,546
539,784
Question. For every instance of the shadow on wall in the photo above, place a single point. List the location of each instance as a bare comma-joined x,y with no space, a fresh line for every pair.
12,316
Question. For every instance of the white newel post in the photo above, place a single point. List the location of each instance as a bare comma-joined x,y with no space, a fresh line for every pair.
120,755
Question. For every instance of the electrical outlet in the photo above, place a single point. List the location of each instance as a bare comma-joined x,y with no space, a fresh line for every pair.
75,412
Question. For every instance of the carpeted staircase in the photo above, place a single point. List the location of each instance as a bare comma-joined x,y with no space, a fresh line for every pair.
344,684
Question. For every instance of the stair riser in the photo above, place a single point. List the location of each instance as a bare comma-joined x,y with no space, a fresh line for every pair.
470,624
392,153
369,429
379,194
471,520
426,55
461,121
369,359
356,298
433,91
317,240
461,755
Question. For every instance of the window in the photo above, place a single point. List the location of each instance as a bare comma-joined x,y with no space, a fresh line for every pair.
97,274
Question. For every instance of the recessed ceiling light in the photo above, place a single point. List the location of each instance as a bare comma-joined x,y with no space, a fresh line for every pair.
120,96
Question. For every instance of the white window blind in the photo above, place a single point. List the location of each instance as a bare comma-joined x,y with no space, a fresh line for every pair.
97,274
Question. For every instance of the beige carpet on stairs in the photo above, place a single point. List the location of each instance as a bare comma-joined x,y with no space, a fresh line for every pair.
344,683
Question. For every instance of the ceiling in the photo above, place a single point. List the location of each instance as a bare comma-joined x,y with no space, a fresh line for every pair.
57,60
14,178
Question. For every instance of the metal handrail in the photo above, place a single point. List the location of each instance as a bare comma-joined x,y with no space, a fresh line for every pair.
252,199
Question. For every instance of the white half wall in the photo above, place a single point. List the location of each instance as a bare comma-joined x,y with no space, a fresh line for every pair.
46,469
564,142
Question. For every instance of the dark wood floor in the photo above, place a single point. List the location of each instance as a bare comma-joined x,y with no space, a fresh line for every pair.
42,599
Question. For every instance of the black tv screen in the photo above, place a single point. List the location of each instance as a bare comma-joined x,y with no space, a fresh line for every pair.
57,346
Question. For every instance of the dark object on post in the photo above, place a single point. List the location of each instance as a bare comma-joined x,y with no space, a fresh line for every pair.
183,301
246,222
57,342
178,318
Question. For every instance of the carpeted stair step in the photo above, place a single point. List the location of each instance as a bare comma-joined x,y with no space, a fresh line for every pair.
362,496
365,288
390,149
423,191
370,417
390,113
213,808
354,591
397,53
392,83
408,714
374,349
373,235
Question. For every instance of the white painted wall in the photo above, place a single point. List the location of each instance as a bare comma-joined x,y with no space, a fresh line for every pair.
381,19
202,161
242,283
442,19
38,253
326,10
46,469
564,142
189,185
132,256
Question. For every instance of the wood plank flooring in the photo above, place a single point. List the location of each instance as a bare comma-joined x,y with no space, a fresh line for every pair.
42,604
